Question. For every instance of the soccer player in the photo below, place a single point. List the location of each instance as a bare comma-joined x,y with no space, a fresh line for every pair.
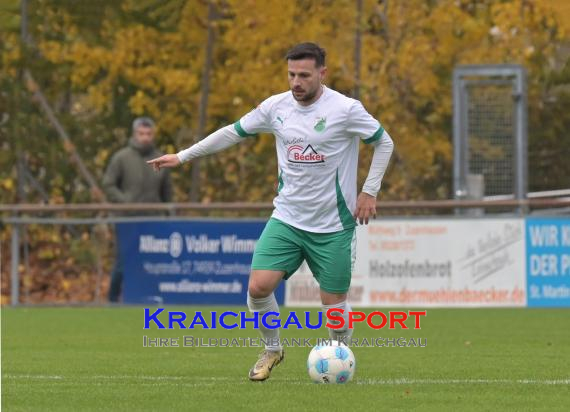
317,134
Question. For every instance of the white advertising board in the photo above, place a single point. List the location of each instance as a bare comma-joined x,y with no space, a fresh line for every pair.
431,263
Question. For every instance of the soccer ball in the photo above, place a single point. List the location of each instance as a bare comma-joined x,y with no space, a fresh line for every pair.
332,363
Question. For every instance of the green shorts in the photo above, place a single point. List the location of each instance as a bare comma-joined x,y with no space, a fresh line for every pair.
330,256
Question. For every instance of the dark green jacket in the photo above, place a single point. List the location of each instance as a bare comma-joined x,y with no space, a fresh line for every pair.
129,179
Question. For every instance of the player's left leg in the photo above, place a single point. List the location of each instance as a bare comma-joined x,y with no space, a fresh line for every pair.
331,258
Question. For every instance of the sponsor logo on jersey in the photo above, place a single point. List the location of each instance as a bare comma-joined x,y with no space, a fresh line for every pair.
292,141
300,154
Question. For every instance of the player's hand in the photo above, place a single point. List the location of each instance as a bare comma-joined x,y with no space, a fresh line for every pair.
169,160
365,208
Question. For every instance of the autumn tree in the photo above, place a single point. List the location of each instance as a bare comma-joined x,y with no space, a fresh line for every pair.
104,62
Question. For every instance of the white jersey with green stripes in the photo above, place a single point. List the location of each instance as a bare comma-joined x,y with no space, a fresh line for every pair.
317,156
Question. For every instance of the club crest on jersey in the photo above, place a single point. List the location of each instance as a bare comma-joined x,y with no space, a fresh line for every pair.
320,124
300,154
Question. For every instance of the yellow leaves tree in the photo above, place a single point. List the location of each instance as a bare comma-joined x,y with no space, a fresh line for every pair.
409,52
414,47
145,57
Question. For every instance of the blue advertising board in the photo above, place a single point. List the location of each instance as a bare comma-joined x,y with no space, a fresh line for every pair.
188,262
548,262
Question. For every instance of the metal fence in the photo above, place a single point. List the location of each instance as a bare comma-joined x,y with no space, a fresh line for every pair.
490,130
24,219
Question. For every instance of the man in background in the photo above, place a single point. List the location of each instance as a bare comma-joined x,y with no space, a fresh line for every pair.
128,179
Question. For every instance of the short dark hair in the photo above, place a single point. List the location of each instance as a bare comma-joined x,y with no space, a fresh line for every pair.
307,51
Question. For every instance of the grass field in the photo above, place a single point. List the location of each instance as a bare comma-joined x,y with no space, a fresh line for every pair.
83,359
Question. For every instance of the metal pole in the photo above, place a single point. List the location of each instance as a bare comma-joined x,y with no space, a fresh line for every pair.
457,143
357,50
203,108
464,134
24,21
95,238
27,274
21,194
521,135
15,276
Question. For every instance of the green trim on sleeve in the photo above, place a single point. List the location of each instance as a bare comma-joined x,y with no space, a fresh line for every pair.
344,214
280,181
375,137
240,131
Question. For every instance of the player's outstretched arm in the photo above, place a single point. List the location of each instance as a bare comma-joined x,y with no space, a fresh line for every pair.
168,160
219,140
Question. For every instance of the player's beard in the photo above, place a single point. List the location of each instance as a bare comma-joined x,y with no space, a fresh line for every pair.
308,96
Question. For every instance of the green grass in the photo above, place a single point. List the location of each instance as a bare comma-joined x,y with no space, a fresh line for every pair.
84,359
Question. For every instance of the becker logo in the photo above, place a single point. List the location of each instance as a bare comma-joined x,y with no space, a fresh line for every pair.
300,154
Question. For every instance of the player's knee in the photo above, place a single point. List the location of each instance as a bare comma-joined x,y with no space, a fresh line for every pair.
258,290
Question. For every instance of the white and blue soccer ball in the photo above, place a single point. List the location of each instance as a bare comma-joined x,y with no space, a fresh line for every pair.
331,363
